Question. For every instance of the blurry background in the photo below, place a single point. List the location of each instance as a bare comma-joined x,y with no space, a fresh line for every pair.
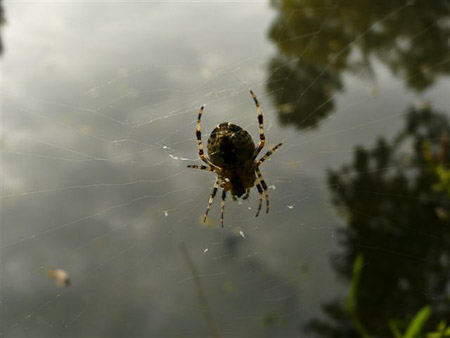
99,104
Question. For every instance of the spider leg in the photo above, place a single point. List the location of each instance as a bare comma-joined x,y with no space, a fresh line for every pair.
262,137
200,167
222,206
270,152
211,198
247,194
198,134
264,185
260,190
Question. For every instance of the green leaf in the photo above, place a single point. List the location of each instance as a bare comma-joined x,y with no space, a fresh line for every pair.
418,322
351,302
356,276
441,332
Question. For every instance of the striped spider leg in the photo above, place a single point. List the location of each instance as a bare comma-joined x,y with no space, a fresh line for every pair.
210,167
260,182
232,157
262,137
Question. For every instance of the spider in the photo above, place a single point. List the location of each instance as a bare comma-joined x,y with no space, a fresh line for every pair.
232,156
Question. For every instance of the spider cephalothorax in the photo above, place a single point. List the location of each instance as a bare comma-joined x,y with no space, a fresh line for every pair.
232,156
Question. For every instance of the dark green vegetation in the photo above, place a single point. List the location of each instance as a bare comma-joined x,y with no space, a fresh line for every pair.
397,220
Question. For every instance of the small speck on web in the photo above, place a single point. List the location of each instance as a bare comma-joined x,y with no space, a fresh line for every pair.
166,213
60,276
290,207
241,233
94,92
205,251
181,158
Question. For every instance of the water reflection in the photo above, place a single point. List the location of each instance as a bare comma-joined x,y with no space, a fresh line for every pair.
96,184
317,43
296,77
395,217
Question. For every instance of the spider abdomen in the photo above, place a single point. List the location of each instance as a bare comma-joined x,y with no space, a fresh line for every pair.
230,145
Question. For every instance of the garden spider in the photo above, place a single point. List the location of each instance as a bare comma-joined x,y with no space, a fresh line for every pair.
232,156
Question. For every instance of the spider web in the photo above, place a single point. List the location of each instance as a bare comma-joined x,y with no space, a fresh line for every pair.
98,124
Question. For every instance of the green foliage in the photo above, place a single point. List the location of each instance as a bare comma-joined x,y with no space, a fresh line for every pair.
352,298
356,275
441,331
395,219
443,175
415,326
417,323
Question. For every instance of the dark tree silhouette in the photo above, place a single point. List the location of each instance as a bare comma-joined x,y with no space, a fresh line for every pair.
318,41
387,199
287,83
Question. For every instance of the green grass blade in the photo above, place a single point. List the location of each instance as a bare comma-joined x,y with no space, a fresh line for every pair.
356,276
351,302
417,323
